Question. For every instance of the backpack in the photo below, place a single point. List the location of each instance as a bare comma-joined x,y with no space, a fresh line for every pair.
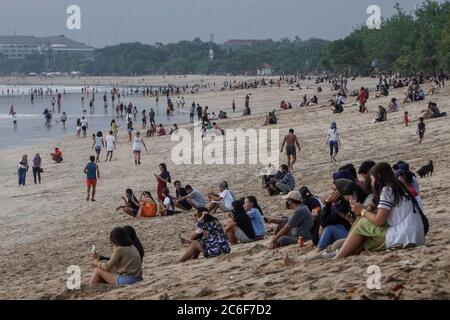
425,222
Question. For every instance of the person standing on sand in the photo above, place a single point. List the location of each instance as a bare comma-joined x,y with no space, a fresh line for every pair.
63,119
137,147
333,141
233,105
92,172
290,141
22,170
163,178
84,126
114,128
98,144
37,168
110,145
421,128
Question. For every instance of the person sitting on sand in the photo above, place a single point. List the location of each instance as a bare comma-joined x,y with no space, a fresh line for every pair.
397,222
222,200
255,213
393,106
281,183
57,156
151,131
299,225
194,197
363,172
131,204
161,130
148,207
126,262
314,101
432,111
169,204
180,201
381,115
240,229
174,129
213,243
271,118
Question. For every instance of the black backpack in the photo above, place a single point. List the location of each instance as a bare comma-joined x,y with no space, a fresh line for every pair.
426,223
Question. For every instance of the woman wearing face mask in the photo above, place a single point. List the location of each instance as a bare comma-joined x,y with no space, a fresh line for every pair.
397,221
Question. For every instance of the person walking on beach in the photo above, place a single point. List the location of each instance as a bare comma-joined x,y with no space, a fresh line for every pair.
92,172
110,145
291,141
37,168
137,147
130,129
63,119
151,115
114,128
78,127
84,126
421,128
333,141
22,170
98,144
233,105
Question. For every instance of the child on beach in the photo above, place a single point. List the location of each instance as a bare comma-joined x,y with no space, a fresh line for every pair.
98,144
57,156
110,145
421,128
168,204
78,127
406,119
114,128
92,172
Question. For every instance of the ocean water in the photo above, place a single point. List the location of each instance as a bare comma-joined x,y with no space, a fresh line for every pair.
31,127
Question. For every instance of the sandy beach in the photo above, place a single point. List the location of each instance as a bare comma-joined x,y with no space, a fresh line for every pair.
49,227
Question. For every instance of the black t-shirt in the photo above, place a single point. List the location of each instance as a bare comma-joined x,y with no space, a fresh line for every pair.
243,221
421,126
133,202
312,203
181,192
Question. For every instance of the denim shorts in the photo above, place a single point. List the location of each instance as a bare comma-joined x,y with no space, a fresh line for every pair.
127,280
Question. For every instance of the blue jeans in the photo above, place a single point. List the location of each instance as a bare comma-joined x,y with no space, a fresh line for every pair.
22,176
331,234
333,145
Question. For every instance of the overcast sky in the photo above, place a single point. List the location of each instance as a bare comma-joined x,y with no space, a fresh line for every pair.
107,22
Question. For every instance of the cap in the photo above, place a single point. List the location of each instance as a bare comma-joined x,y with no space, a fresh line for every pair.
294,195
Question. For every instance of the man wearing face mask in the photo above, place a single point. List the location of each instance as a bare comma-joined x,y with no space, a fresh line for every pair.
298,225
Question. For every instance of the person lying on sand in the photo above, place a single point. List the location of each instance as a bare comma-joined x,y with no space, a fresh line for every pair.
213,243
299,225
126,261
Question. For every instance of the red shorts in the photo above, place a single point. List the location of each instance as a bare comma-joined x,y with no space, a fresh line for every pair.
91,182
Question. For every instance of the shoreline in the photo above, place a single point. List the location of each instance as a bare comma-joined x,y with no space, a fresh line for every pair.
49,227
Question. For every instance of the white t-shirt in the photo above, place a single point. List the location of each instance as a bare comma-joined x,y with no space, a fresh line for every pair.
333,135
84,123
405,226
227,197
137,144
110,143
98,142
168,203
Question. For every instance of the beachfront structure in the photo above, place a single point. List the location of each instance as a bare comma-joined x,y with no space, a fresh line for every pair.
233,44
265,70
19,47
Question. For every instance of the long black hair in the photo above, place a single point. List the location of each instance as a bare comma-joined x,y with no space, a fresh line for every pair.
135,240
385,177
120,238
164,166
255,204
